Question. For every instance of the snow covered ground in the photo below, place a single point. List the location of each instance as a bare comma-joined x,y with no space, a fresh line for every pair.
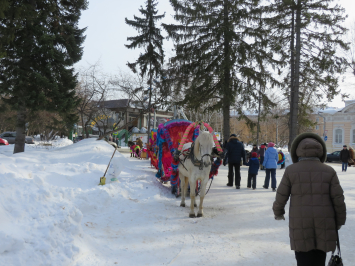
52,212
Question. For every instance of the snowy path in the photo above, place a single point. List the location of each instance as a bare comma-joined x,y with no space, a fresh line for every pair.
238,227
53,213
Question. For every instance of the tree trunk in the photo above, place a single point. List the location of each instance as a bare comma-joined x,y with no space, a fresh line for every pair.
258,126
297,73
226,120
227,77
292,89
150,101
20,130
82,127
86,131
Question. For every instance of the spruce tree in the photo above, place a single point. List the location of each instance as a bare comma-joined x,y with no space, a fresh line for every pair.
150,62
41,40
221,50
309,33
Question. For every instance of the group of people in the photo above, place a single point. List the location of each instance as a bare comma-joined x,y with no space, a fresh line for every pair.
317,206
266,158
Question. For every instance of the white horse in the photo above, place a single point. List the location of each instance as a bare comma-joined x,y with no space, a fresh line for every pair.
189,173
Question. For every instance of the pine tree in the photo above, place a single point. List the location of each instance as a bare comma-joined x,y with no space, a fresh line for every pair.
150,62
41,41
220,50
309,34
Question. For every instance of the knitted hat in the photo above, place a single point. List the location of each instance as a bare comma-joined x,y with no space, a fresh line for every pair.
271,144
254,155
233,135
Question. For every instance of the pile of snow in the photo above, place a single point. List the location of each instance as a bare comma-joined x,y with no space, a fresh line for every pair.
58,142
44,194
61,142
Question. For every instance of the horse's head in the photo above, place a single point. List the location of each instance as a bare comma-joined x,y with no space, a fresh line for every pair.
203,147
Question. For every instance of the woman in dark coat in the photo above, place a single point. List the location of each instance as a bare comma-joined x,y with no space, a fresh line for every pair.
314,189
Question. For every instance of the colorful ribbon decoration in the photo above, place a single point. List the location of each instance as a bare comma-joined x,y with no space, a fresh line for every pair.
184,138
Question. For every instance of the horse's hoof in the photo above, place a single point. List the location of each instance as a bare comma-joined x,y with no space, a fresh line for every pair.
182,204
192,215
195,205
200,215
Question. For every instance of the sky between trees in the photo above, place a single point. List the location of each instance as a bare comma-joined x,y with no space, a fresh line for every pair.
107,33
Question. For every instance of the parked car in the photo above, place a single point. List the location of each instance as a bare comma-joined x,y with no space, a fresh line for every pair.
333,157
3,142
10,137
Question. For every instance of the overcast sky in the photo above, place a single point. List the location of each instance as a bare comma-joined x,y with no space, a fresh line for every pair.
107,33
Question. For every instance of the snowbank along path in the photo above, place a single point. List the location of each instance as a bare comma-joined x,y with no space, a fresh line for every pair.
52,212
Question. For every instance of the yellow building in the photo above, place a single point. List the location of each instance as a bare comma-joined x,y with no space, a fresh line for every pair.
338,125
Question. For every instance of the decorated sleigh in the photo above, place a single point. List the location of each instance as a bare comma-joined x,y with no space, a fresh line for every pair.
168,140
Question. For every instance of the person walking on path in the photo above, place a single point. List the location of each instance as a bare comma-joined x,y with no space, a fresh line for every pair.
344,158
262,154
253,169
317,207
270,165
235,154
352,156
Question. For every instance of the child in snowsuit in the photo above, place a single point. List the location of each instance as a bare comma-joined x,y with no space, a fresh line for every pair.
253,169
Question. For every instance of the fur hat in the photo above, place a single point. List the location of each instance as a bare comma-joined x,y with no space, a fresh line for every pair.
271,144
303,136
254,155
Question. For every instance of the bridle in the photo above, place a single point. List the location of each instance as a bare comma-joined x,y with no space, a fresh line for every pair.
199,163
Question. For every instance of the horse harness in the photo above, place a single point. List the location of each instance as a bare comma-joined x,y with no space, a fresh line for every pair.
198,163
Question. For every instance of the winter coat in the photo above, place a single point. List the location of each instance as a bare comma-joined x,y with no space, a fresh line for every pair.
271,158
139,143
235,151
262,150
314,188
344,155
253,165
351,153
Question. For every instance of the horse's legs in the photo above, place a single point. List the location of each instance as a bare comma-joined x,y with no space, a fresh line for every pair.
184,183
202,196
192,196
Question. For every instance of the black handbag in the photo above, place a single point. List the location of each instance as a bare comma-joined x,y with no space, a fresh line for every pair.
335,260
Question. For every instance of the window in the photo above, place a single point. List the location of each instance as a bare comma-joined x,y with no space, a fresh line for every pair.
317,119
353,135
317,127
338,136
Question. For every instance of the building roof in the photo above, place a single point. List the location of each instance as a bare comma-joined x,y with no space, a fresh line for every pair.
114,104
